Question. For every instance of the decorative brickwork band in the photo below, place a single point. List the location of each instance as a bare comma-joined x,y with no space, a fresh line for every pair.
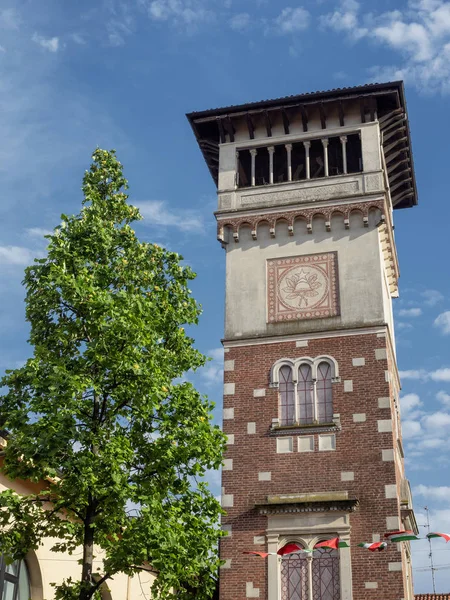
307,214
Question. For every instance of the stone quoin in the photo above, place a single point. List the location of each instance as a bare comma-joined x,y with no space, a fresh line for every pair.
307,189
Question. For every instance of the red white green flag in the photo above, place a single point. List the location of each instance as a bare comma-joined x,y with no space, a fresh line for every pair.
332,544
446,536
261,554
289,549
374,547
401,536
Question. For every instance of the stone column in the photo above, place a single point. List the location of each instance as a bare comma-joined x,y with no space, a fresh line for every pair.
271,150
253,153
309,559
289,161
307,146
344,152
325,155
273,568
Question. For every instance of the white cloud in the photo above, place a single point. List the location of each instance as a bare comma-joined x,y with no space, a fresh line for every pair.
437,421
443,397
432,297
158,213
420,33
345,19
240,22
442,322
212,372
292,20
188,13
50,44
413,374
402,325
411,429
16,255
409,402
440,374
410,312
78,39
37,232
441,492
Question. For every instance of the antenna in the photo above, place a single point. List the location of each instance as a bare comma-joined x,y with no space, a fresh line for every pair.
432,567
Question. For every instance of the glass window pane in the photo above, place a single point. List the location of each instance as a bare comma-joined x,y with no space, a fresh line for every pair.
13,569
324,394
8,590
305,394
287,396
294,577
24,584
325,575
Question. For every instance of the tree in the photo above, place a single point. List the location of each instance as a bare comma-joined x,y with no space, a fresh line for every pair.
101,412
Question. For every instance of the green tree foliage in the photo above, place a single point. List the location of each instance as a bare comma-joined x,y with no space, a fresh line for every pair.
100,411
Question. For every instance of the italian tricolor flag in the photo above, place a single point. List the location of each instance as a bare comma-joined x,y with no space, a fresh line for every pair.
401,536
374,547
332,544
446,536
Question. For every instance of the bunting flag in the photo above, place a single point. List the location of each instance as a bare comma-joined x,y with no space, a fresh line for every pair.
401,536
289,549
335,543
446,536
374,547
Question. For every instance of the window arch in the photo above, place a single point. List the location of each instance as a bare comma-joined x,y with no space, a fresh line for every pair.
305,389
14,580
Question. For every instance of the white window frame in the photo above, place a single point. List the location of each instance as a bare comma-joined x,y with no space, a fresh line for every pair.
294,365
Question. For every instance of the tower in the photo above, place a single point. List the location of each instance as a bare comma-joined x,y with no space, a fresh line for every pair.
307,188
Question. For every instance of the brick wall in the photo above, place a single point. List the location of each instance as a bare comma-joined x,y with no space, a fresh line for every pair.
358,464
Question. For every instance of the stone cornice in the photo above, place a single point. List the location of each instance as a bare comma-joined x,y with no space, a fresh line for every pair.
350,505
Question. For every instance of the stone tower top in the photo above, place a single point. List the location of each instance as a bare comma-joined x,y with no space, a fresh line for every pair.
309,136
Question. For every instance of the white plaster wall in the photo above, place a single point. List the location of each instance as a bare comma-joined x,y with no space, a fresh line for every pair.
54,567
361,296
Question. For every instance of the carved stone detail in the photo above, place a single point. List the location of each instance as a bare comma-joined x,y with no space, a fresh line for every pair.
309,194
302,287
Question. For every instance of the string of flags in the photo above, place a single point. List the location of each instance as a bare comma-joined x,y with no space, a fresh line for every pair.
335,544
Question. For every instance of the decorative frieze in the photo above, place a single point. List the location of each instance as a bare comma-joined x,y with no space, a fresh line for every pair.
290,216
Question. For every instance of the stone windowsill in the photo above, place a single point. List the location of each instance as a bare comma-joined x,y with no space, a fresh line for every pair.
297,429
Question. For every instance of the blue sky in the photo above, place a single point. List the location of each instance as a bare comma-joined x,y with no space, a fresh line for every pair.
74,75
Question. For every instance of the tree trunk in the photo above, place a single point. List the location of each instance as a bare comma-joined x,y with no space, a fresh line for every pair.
88,556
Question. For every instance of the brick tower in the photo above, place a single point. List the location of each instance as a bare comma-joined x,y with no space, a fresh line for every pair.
307,186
